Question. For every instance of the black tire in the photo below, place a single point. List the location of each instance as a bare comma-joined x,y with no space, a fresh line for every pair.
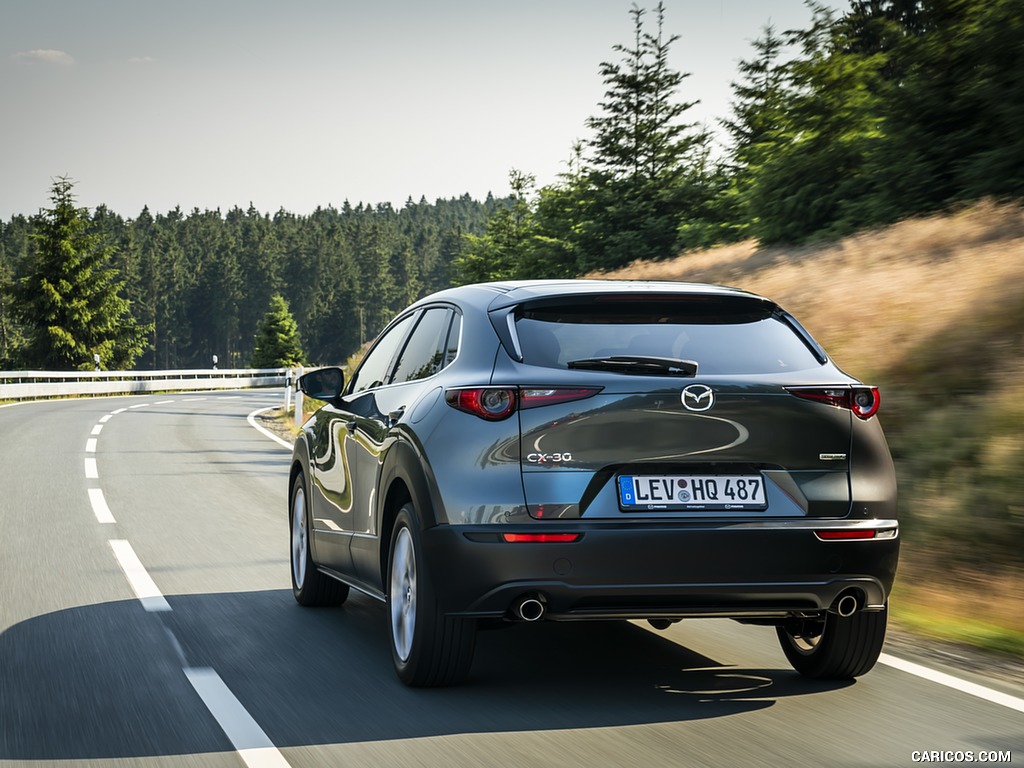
838,648
310,587
429,649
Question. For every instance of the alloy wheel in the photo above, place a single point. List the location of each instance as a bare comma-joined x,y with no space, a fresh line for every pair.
403,594
299,546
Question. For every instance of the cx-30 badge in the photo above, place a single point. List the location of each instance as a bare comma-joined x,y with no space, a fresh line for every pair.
698,397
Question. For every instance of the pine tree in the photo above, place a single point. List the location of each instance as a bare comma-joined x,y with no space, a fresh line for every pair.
639,135
277,339
502,250
758,119
645,172
70,299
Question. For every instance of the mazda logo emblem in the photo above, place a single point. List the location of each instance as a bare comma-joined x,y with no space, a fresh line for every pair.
698,397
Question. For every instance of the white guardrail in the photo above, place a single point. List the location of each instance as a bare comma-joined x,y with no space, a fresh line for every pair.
21,385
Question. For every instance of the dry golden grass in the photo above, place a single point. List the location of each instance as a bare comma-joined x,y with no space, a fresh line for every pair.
872,298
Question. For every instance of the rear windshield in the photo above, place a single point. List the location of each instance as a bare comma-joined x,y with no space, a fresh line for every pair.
723,335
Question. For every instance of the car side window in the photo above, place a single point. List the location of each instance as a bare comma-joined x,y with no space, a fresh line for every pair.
424,354
376,366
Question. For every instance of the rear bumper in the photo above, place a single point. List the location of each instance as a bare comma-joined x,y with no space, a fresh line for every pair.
742,570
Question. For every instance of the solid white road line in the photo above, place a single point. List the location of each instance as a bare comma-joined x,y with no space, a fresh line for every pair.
99,506
252,421
964,686
90,445
253,745
97,429
91,472
144,587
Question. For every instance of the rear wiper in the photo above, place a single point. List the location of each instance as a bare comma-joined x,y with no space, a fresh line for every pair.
653,366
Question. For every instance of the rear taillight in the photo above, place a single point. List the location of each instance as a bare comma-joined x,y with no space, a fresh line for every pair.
537,397
862,401
491,403
865,401
496,403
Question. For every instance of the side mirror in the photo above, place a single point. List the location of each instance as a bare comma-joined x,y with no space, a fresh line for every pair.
323,383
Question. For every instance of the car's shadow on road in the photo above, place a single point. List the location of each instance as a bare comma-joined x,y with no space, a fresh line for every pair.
106,681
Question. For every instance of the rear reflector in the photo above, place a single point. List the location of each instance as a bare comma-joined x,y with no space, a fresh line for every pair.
846,535
540,538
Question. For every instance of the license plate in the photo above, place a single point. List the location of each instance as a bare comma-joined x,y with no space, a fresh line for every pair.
691,492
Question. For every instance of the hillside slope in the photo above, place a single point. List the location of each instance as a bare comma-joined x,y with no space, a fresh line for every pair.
873,299
932,310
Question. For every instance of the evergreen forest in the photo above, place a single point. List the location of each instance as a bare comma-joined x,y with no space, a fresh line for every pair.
200,284
886,109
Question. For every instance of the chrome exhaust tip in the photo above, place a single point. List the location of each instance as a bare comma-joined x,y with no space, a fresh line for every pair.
528,608
846,605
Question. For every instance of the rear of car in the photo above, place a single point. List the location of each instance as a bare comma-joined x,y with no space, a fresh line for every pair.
684,451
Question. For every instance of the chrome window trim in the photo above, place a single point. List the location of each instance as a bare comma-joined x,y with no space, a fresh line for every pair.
510,318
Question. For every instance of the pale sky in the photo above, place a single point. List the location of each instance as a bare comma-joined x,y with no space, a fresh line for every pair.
216,103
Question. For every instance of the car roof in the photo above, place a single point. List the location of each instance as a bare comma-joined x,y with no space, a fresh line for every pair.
498,295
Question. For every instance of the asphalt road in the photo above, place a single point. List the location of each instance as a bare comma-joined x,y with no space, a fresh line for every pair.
146,618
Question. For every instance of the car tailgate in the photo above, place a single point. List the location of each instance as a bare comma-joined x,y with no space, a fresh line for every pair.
573,454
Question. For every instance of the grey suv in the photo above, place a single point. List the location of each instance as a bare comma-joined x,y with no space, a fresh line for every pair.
562,450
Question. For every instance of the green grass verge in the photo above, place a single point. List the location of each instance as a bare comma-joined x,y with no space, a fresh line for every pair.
921,620
968,608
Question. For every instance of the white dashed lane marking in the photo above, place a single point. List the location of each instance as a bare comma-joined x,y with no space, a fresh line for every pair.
144,587
253,745
251,742
99,506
